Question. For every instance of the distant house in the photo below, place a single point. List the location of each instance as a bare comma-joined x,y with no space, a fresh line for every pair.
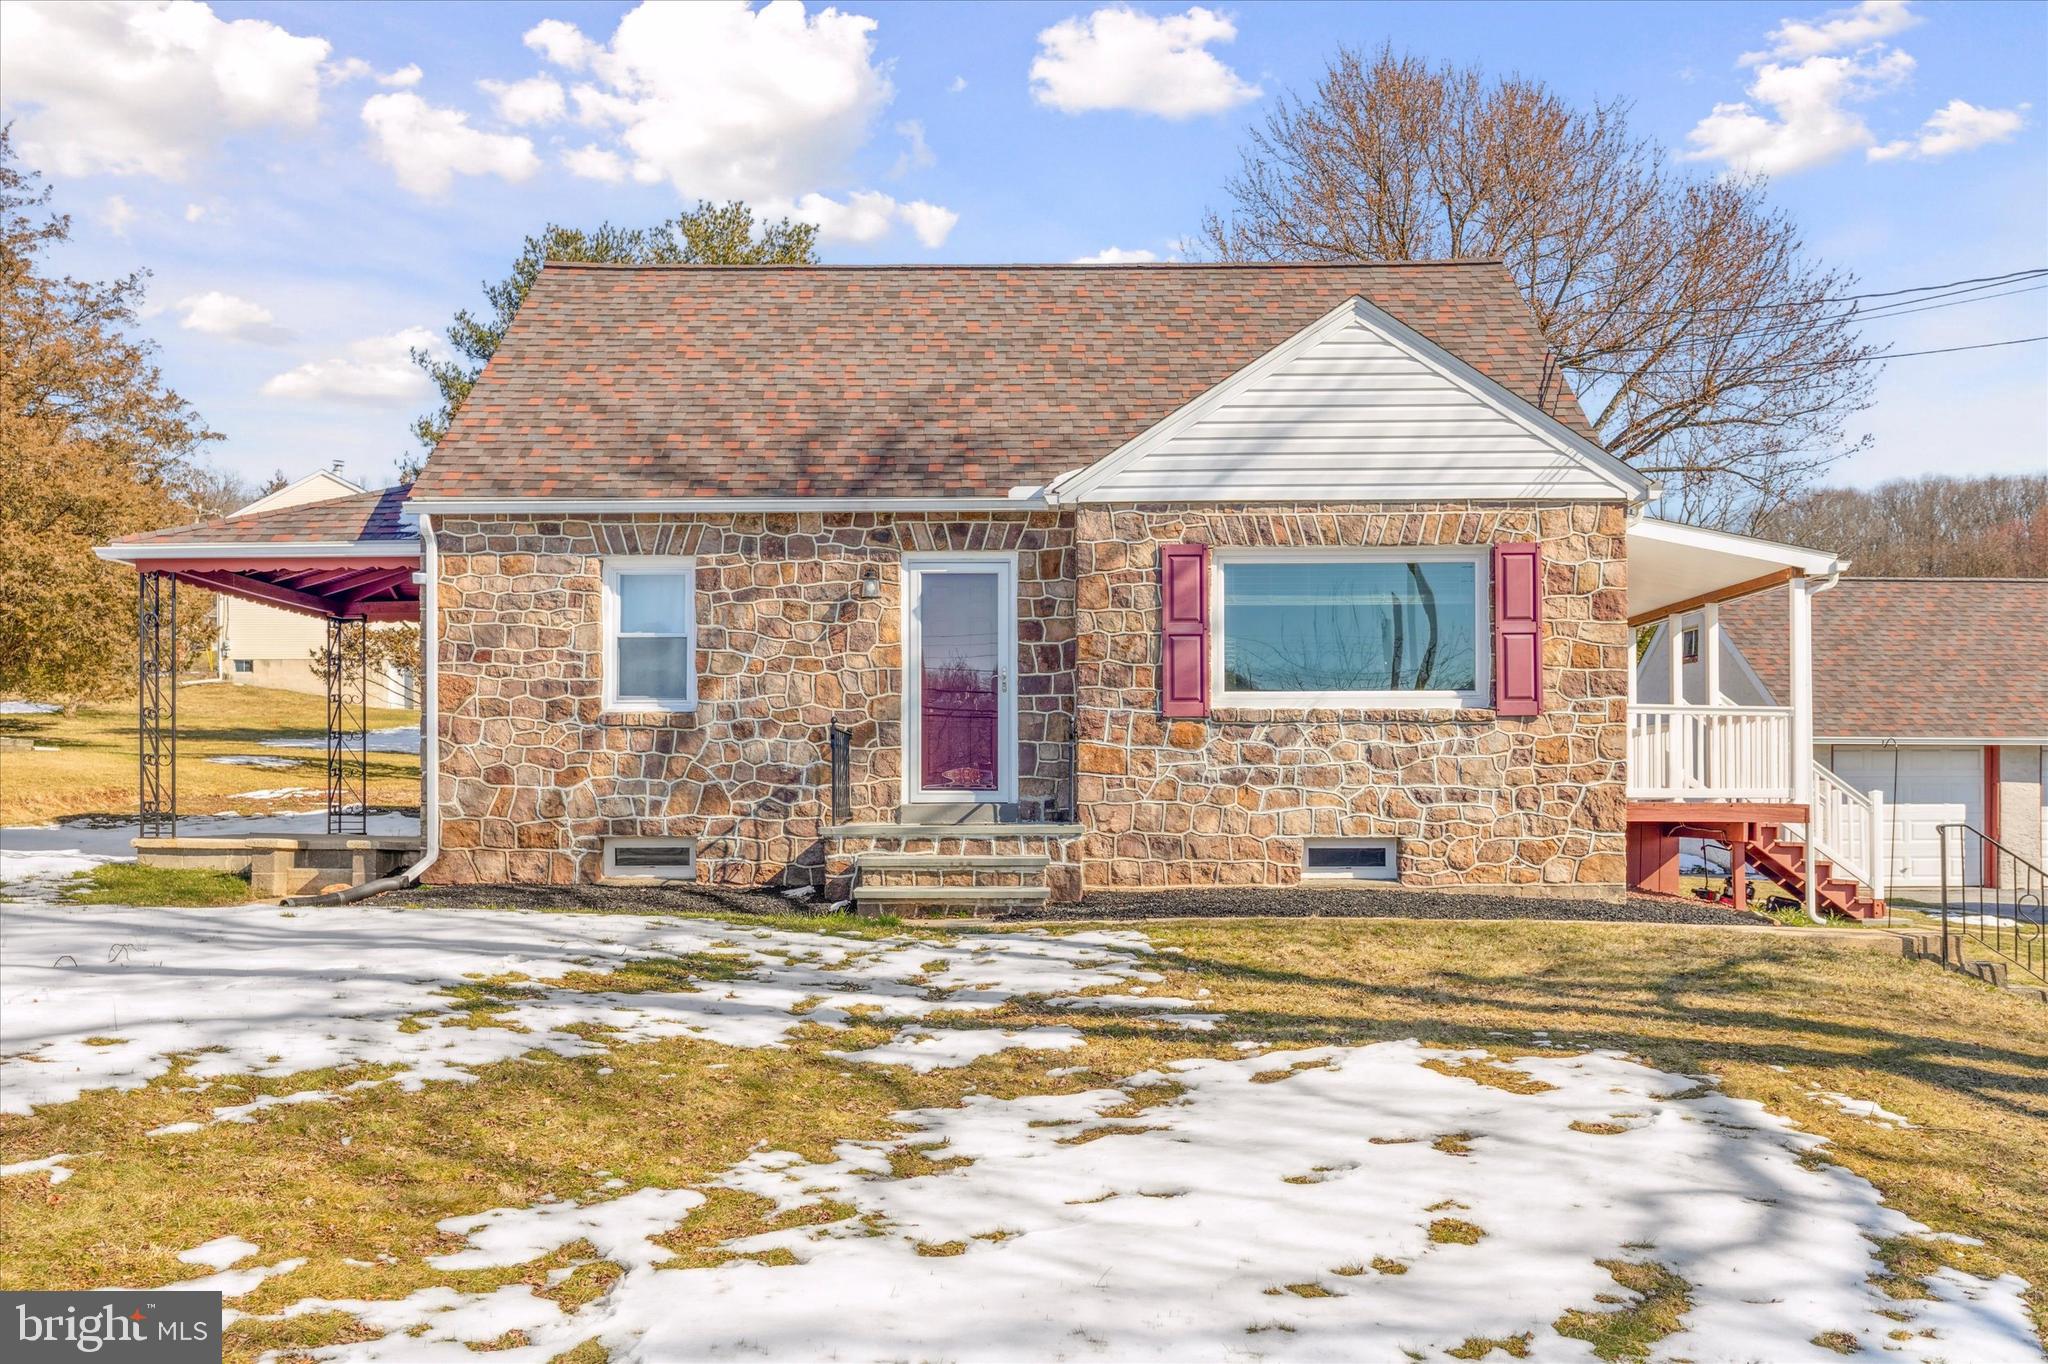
1932,691
268,646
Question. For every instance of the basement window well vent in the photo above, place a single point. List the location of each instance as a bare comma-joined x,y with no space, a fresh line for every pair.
664,859
1359,859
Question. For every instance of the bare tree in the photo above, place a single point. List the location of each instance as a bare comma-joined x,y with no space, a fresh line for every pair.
1925,527
1685,309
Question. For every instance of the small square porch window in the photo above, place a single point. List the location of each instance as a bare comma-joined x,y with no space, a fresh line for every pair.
662,859
1356,859
1689,645
650,634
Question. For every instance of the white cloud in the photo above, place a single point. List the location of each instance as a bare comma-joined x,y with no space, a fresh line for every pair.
866,216
194,212
1119,58
378,369
917,153
721,100
355,69
217,314
1809,120
1117,255
148,89
429,146
593,162
1838,30
116,214
1957,126
535,100
404,78
931,223
959,84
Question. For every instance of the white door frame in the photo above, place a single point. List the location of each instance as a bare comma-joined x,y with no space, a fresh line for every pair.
1002,567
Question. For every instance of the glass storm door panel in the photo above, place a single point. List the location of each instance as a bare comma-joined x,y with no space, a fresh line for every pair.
962,676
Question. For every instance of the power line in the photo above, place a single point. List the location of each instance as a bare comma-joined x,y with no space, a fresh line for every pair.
1826,299
1879,314
1827,364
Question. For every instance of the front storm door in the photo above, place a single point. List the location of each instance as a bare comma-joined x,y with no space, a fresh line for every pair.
961,651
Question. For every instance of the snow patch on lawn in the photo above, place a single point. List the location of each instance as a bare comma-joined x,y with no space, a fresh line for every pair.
264,760
263,991
28,708
53,1166
1861,1108
220,1252
1290,1218
928,1049
620,1229
397,739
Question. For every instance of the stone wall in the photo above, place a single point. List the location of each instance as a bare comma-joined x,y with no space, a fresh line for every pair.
535,775
1473,798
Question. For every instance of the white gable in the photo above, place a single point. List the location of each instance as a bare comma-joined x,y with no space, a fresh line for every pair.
321,486
1356,407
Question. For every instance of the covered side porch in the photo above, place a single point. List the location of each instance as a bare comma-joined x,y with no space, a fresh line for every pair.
353,562
1702,764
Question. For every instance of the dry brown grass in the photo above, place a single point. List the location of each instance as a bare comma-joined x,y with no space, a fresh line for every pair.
91,770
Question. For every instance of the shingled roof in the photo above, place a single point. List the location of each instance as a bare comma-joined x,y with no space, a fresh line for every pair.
366,518
1912,658
636,382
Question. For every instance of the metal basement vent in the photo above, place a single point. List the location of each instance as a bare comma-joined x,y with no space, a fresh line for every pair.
1361,859
669,859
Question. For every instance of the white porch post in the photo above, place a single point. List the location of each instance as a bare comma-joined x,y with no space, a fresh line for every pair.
1710,651
1801,700
1674,656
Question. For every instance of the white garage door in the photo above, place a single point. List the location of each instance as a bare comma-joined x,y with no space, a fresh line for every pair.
1930,787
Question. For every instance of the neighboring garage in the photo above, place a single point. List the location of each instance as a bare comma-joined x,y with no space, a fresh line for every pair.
1933,691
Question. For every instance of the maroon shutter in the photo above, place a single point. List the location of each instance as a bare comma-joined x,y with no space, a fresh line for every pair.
1184,629
1518,629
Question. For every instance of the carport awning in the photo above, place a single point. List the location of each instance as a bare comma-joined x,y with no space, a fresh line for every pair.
347,557
1674,568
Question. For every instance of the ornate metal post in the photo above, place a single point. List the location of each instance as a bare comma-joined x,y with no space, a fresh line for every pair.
348,725
156,705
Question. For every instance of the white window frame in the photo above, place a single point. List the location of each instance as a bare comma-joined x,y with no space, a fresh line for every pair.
622,566
671,871
1480,696
1392,871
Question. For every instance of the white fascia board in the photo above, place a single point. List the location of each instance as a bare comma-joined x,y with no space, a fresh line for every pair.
626,506
304,549
1628,483
1814,563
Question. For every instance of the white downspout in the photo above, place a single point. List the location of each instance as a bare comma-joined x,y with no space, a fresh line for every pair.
430,697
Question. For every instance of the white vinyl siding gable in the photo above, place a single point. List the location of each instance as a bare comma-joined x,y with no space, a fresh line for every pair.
1357,408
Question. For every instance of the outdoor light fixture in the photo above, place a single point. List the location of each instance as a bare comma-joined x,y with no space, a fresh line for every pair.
870,585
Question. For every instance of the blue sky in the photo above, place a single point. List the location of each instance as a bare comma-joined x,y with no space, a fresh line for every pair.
316,185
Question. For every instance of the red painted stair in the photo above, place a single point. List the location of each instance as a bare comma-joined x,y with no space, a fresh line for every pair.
1781,857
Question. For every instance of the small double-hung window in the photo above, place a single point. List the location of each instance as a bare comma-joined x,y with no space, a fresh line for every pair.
650,634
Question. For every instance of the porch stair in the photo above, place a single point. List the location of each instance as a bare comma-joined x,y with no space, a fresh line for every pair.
1778,855
948,883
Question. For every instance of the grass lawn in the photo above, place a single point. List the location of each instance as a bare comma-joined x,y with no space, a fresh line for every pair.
85,763
356,1185
129,883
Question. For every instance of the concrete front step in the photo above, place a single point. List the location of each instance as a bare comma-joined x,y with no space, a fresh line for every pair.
946,900
950,861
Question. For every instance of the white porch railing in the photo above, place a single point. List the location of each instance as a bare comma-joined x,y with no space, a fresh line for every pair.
1848,830
1710,752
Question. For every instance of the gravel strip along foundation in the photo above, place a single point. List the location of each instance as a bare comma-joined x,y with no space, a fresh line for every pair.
1252,902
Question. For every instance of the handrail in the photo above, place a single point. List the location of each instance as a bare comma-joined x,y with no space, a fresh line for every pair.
2022,938
1679,752
1848,829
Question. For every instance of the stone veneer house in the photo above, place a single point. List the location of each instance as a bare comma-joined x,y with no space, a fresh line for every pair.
973,583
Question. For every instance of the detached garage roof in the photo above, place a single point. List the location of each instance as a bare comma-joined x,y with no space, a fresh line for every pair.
671,382
1913,658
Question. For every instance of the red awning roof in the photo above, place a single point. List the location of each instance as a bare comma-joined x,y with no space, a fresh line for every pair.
348,556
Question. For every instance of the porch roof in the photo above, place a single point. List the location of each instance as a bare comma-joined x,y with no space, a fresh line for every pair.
347,556
1674,567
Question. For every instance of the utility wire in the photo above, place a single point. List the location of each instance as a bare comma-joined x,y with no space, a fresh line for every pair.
1826,299
1823,364
1879,314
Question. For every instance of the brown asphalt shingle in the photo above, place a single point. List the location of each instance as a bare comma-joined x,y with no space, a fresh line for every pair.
1912,658
912,381
371,516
